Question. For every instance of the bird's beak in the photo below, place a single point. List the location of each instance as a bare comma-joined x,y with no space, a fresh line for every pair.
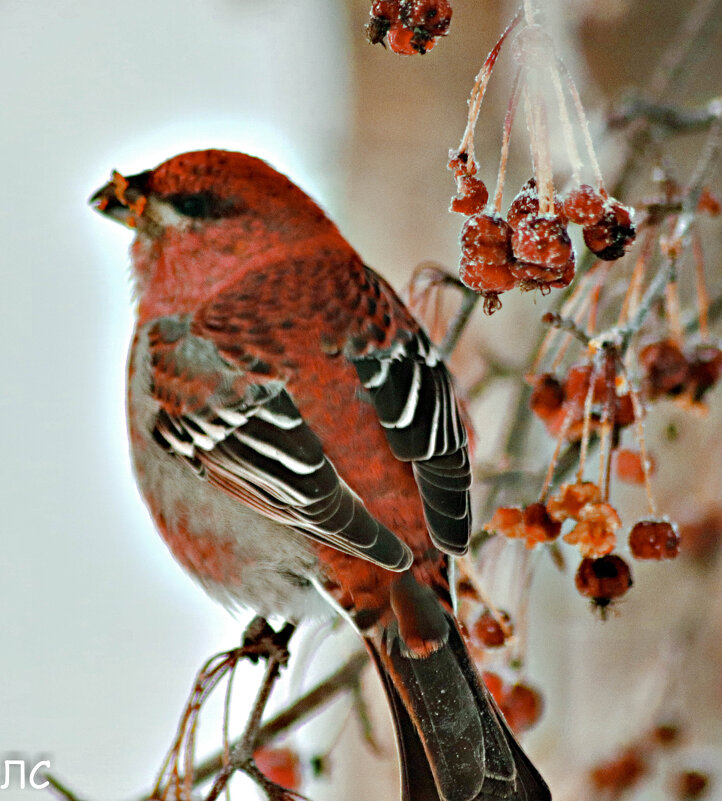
123,199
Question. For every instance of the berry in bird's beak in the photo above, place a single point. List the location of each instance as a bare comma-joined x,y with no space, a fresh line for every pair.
122,199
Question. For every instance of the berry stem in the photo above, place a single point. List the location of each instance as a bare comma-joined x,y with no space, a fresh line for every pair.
586,427
639,424
566,423
567,130
702,294
479,88
508,122
671,301
582,117
539,144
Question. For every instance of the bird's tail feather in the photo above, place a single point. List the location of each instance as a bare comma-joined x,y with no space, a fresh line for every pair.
454,744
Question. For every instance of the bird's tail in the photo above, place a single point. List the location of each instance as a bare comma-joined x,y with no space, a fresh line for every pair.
454,744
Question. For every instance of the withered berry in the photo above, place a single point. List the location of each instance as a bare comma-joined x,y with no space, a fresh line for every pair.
665,367
613,234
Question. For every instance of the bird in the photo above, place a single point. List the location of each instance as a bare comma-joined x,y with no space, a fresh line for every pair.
297,440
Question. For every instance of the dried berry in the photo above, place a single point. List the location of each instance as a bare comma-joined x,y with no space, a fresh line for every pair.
596,531
665,367
613,234
603,579
571,499
584,205
666,734
507,520
654,539
542,240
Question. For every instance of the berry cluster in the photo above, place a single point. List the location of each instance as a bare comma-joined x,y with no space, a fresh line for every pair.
528,249
562,403
409,26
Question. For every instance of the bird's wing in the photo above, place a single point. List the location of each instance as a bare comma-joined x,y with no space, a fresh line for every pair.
413,394
241,431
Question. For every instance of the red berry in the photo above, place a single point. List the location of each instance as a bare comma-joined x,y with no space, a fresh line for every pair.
488,630
709,203
280,765
472,196
483,277
666,734
584,205
383,13
603,579
494,685
538,525
666,369
620,774
400,39
535,276
701,538
628,466
654,539
433,17
547,396
522,707
690,784
624,411
526,203
486,238
613,234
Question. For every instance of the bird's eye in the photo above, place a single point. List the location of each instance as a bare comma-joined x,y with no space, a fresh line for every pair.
195,205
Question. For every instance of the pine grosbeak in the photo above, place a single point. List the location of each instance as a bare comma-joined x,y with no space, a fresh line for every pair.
297,441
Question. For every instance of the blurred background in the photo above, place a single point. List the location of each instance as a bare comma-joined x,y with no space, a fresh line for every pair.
101,631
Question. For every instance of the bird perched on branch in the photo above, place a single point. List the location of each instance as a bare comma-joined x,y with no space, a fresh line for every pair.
297,441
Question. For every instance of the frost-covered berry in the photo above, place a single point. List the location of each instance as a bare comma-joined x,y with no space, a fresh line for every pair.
542,240
603,579
584,205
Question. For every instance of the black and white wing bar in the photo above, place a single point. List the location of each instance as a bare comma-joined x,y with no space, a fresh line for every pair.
270,459
412,393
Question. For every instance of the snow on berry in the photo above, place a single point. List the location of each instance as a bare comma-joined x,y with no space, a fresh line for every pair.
570,499
542,240
584,205
433,17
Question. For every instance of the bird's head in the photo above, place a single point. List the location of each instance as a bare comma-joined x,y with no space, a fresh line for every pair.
206,186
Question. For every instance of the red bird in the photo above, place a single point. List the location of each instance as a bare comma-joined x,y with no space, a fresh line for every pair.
296,438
